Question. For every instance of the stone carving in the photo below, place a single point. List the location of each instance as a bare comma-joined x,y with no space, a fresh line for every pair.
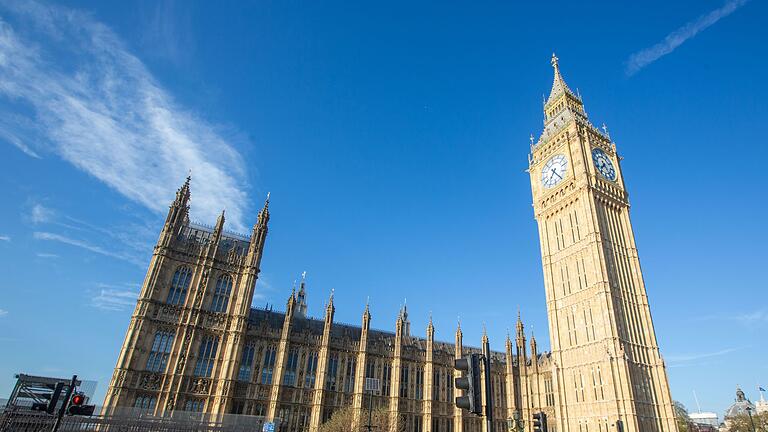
200,386
151,381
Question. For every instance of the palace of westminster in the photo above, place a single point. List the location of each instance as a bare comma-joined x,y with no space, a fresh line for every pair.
195,343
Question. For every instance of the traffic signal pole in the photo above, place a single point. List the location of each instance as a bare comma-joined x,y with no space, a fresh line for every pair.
488,389
64,404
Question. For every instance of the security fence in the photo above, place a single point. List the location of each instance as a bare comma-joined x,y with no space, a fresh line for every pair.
24,420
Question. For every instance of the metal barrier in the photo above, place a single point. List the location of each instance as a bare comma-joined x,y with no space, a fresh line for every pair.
24,420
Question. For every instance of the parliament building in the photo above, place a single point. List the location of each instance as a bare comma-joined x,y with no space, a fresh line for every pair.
195,343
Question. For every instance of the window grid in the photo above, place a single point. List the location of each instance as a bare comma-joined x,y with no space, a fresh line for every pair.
221,294
161,348
246,363
179,285
206,356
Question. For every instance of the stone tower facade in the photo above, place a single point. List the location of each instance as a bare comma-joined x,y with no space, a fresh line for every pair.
607,364
185,339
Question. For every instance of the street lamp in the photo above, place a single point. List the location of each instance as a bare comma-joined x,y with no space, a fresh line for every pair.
749,411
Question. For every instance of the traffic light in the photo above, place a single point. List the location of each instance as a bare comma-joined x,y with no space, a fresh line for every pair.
76,406
540,422
470,383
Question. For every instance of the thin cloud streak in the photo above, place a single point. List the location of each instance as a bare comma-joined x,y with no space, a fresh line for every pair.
48,236
116,300
673,40
5,238
92,102
685,358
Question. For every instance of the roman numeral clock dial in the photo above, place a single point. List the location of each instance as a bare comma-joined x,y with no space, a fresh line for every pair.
554,171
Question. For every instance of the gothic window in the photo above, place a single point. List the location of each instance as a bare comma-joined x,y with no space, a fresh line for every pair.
221,294
206,356
333,369
161,347
418,424
194,405
246,363
268,366
404,381
145,402
449,386
179,286
419,384
289,379
600,383
309,379
349,379
386,380
436,386
548,392
370,369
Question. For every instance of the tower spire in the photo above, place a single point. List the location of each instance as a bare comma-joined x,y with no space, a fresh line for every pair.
558,84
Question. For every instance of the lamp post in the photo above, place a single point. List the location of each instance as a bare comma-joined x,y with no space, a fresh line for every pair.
752,421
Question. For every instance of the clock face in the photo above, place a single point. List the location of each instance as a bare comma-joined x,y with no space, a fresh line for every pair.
603,164
554,171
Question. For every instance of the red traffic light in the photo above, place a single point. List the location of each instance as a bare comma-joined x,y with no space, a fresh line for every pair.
78,399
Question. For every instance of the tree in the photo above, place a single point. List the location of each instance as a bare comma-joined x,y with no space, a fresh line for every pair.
681,416
742,423
341,421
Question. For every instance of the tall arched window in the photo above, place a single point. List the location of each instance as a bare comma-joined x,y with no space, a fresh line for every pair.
179,285
221,295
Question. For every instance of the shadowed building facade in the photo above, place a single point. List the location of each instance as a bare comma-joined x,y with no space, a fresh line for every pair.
195,344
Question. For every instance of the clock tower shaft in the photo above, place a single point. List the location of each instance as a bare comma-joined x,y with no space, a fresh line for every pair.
608,367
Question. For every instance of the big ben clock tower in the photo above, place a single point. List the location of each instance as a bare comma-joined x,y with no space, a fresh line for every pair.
609,372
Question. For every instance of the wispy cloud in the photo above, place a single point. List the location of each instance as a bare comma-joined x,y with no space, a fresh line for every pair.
42,235
3,312
167,31
673,40
5,238
86,97
40,214
759,316
699,356
111,298
130,241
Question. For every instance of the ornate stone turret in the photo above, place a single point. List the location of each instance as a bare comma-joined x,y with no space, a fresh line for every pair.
360,373
178,215
282,354
397,366
429,376
458,413
318,398
512,382
301,297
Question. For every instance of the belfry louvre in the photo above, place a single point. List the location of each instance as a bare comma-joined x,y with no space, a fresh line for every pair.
195,344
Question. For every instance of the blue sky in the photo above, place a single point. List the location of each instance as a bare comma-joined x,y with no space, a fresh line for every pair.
393,138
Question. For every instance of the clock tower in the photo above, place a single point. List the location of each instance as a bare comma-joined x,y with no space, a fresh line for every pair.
609,373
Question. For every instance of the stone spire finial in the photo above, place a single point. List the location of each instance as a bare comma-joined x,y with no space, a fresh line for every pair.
220,223
558,84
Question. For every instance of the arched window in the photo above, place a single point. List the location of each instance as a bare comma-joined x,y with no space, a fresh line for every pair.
179,285
221,295
145,402
161,348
